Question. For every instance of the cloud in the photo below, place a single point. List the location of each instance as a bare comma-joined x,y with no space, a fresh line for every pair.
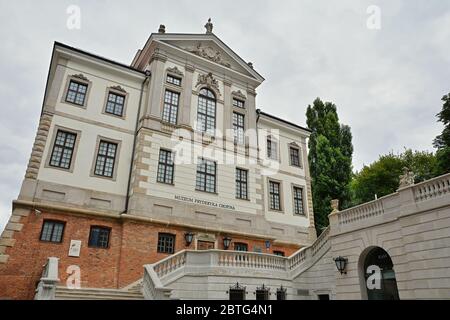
386,83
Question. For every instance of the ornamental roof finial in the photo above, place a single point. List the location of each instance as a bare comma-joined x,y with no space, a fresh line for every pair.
209,26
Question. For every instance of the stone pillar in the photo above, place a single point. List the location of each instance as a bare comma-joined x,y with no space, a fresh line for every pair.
185,110
309,199
227,107
153,109
250,105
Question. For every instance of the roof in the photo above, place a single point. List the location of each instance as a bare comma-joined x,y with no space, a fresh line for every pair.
210,36
63,45
258,111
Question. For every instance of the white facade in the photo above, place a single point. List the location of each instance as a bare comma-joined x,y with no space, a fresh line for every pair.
199,61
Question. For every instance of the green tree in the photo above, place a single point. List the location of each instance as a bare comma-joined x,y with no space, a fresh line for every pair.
442,141
382,177
330,159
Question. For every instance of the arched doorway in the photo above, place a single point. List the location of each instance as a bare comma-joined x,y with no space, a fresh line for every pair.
379,275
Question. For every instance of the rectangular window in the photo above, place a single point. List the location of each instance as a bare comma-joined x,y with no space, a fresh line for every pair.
241,184
170,112
206,176
115,104
279,253
173,80
295,156
165,167
272,148
274,195
238,127
240,246
52,231
63,149
106,158
298,201
99,237
238,103
76,93
237,294
166,243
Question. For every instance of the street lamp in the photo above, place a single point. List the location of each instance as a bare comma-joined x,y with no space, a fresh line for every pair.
341,263
188,237
226,242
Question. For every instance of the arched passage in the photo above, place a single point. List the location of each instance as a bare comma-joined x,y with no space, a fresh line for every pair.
378,275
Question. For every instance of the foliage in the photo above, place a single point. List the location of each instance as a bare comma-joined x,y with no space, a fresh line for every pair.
330,159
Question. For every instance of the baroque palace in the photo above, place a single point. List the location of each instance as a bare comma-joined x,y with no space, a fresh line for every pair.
162,180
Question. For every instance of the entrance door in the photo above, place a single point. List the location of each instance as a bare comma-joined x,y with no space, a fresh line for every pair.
380,276
205,245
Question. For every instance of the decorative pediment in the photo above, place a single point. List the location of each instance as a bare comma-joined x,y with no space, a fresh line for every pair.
119,88
239,95
208,52
175,71
208,80
294,144
80,76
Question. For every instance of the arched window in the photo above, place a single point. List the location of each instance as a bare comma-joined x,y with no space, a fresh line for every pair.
206,111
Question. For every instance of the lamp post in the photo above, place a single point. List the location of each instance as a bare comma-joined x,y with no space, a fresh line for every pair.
341,263
226,242
188,237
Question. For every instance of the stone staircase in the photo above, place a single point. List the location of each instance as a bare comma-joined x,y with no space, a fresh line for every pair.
63,293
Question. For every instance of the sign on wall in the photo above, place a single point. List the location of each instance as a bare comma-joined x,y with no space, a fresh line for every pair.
75,248
205,202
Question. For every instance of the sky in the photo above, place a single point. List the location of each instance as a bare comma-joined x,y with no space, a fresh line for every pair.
385,67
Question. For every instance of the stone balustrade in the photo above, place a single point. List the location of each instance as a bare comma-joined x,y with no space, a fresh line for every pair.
432,189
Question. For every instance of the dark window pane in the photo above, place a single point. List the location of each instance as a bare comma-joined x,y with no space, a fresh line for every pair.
298,201
272,148
240,247
241,184
165,167
52,231
238,127
295,157
206,111
166,243
99,237
115,104
63,149
274,195
106,156
238,103
170,111
206,175
174,80
76,93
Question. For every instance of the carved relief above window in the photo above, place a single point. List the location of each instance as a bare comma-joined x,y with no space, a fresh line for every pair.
209,81
239,95
209,53
119,88
80,76
175,71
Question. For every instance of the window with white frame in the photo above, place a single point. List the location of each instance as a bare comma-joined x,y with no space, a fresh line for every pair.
206,175
206,112
170,111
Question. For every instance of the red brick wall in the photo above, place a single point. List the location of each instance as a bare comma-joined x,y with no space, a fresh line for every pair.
132,245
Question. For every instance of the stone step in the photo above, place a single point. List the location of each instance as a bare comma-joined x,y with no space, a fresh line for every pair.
96,294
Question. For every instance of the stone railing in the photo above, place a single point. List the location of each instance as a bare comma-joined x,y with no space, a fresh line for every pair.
364,211
432,189
47,285
250,260
157,275
402,202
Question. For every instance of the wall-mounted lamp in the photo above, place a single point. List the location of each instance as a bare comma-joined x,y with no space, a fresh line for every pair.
188,237
226,242
341,263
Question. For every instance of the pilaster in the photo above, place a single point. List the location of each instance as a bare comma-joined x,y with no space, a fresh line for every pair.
185,110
